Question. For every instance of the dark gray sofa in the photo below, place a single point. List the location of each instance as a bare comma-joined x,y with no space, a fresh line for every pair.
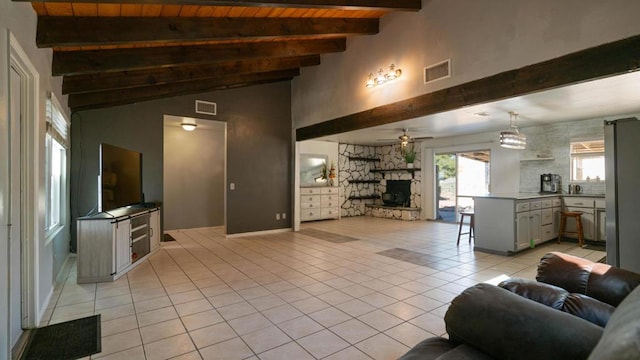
529,320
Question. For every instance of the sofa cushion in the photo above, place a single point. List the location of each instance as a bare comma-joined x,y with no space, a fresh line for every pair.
621,337
429,349
583,306
507,326
582,276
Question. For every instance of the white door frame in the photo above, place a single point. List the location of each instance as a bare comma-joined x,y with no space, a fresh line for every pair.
5,347
30,164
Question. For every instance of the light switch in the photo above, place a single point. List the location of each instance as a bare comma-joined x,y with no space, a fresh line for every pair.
232,186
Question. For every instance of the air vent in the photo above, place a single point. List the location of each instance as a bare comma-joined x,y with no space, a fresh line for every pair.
441,70
205,107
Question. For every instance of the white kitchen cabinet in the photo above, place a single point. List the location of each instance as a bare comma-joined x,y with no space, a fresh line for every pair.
586,205
112,243
528,224
505,225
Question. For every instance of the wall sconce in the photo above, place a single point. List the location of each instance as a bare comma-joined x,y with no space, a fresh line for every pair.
382,77
189,124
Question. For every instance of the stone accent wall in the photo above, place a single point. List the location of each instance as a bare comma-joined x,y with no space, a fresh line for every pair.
354,170
405,214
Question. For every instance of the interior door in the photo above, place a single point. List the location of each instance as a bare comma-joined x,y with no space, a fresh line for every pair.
15,210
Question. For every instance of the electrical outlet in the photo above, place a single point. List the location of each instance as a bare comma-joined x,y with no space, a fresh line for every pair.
278,216
284,216
232,186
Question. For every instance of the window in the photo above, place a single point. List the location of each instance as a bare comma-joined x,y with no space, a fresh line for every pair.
56,147
587,160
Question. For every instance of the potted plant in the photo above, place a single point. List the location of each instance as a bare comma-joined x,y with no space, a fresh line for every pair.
410,156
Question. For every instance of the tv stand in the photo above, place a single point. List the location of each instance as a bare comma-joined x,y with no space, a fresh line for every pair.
113,242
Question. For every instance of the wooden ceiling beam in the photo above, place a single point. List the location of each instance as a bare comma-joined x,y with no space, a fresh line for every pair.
389,5
95,61
616,58
128,96
61,31
127,79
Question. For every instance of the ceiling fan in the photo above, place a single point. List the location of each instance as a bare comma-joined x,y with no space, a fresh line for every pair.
405,138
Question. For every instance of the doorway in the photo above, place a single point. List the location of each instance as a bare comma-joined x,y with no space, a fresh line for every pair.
459,177
194,168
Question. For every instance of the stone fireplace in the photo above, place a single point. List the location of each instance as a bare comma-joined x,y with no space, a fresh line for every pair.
368,172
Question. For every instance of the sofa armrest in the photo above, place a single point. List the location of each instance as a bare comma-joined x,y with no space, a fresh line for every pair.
507,326
582,276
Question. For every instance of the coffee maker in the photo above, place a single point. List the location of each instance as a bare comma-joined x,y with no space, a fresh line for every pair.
549,183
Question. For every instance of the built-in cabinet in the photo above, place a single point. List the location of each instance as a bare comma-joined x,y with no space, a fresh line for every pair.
317,203
113,242
593,216
508,225
528,224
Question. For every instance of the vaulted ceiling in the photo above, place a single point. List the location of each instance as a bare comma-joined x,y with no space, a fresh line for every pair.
114,52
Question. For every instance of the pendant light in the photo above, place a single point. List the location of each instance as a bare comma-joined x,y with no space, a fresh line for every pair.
512,138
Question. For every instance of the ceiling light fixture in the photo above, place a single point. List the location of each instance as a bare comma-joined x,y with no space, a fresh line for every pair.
189,124
383,77
512,138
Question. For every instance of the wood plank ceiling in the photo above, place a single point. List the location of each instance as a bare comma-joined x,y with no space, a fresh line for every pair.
115,52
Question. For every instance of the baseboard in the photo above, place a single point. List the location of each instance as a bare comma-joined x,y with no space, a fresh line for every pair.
256,233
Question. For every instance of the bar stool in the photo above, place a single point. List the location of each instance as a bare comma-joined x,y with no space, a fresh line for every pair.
471,231
563,223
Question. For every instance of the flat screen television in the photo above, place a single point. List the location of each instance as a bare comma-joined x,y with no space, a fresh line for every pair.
120,178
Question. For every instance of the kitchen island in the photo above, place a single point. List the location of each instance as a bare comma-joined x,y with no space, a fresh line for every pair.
508,223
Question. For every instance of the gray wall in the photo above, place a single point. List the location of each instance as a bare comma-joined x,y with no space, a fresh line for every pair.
259,150
193,180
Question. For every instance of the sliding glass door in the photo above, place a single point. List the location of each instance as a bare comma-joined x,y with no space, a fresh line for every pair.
459,177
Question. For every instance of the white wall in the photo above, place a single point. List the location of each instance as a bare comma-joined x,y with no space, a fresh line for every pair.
482,37
19,19
504,170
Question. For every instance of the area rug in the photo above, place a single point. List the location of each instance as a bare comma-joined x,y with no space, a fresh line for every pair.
69,340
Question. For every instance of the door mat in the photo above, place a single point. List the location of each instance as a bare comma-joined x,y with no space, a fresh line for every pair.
65,341
328,236
168,237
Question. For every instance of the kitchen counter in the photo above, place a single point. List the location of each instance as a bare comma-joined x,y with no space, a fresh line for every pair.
510,222
527,196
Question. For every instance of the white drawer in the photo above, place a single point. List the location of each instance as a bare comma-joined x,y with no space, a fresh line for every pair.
522,206
578,202
329,190
328,203
310,198
310,204
535,205
330,212
557,202
600,203
310,214
310,191
547,232
547,216
547,203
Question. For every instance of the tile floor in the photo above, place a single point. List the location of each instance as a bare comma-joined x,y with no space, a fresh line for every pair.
289,295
